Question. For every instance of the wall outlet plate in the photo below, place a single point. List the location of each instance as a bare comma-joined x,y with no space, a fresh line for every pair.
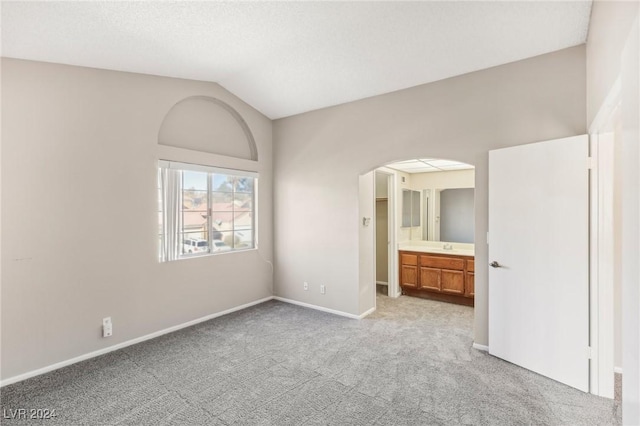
322,289
107,327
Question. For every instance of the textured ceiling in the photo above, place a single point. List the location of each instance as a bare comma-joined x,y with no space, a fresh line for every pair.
285,58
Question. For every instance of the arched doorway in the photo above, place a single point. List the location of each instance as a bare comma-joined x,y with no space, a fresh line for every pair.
424,204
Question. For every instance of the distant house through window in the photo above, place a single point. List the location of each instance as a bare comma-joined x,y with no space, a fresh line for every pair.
204,210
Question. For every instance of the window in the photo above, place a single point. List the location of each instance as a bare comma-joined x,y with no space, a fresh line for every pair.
204,210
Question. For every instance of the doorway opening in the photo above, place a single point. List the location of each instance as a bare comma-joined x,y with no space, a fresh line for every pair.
383,217
424,230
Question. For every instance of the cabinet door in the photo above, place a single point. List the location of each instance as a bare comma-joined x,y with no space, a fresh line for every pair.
452,281
409,276
430,278
469,290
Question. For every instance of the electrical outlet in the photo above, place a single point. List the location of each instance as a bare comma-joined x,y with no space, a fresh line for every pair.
305,285
322,289
107,327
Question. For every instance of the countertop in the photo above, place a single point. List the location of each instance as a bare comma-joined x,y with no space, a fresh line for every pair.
458,249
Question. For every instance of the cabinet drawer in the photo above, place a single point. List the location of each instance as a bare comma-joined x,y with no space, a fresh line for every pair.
470,266
409,259
442,262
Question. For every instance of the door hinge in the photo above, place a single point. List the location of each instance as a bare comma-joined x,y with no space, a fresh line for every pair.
591,164
588,352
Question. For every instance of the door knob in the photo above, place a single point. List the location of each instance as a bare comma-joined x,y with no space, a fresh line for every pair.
495,264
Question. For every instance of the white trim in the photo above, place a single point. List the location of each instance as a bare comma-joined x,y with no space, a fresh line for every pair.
617,370
367,313
594,244
611,102
601,246
392,214
323,309
182,155
176,165
52,367
480,347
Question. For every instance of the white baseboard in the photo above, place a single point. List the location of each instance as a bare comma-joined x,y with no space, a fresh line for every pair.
323,309
52,367
617,370
369,312
480,347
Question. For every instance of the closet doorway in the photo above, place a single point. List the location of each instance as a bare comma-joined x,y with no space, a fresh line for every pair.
384,211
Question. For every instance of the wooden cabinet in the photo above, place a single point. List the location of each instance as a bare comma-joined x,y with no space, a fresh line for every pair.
430,278
469,279
445,277
452,282
409,271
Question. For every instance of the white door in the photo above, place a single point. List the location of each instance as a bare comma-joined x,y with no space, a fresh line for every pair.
539,248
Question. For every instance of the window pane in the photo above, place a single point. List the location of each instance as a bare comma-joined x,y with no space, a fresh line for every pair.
194,180
243,202
192,243
219,246
243,239
243,220
222,221
244,184
222,183
194,200
194,221
195,206
227,238
222,201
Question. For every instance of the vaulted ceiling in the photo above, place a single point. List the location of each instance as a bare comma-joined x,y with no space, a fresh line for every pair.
285,58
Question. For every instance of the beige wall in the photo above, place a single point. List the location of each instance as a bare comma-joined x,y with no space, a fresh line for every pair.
319,156
608,31
366,264
451,179
79,214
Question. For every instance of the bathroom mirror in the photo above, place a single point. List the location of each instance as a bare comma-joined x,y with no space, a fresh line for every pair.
437,199
450,215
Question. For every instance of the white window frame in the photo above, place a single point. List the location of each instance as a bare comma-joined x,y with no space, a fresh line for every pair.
171,238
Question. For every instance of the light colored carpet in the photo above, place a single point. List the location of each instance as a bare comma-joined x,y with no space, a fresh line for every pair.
410,363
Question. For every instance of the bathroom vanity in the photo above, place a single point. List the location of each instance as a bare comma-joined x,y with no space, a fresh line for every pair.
437,273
